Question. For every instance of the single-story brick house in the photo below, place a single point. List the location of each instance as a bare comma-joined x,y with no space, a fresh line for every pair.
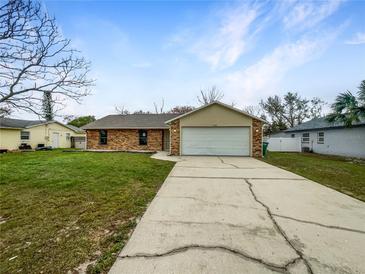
213,129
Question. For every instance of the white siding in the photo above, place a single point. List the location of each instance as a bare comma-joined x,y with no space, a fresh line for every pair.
344,142
284,144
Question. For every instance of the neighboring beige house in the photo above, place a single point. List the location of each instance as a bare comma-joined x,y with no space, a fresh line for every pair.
14,132
213,129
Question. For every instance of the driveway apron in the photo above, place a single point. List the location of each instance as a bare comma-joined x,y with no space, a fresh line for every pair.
241,215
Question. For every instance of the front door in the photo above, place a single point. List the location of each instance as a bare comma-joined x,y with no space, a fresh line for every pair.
55,139
166,140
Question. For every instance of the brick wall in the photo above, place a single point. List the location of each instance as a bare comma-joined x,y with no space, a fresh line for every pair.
125,139
175,138
256,138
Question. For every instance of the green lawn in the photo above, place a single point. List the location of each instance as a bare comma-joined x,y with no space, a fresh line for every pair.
343,174
62,209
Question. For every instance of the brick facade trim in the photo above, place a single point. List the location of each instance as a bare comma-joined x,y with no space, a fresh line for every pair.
125,139
256,138
175,138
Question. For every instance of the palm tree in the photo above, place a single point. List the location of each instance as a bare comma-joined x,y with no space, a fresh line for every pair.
362,98
347,108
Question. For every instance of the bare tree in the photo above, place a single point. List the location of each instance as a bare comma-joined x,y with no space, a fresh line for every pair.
210,95
5,111
181,109
68,118
254,110
35,58
159,108
121,110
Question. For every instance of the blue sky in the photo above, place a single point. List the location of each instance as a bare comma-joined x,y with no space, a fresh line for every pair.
144,51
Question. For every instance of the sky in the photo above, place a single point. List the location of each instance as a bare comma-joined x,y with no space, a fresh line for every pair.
145,51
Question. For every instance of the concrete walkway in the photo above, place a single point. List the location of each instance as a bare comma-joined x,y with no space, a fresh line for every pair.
240,215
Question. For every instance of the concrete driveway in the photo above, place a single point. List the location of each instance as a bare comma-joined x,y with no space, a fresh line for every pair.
240,215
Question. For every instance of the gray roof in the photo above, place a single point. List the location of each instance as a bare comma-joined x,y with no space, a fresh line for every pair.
17,123
76,129
132,121
321,123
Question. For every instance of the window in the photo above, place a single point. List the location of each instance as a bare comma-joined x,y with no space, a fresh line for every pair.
142,137
24,135
320,138
305,137
68,136
103,137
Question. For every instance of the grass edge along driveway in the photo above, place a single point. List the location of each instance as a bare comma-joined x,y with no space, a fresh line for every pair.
343,174
60,210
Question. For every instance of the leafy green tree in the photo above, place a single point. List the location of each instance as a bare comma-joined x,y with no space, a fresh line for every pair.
348,108
81,121
289,111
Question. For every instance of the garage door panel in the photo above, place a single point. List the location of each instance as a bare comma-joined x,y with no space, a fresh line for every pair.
215,141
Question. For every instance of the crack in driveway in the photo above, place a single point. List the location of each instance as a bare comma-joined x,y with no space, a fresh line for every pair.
223,162
319,224
273,214
200,223
271,266
280,230
205,201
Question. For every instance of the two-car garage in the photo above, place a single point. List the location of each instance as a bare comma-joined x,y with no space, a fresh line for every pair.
233,141
216,129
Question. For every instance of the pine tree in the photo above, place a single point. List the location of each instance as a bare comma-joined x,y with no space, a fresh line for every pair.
47,105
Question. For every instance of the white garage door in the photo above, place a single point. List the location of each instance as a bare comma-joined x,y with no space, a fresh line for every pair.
216,141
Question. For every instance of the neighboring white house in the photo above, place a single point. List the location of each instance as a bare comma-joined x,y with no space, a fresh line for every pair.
14,132
320,136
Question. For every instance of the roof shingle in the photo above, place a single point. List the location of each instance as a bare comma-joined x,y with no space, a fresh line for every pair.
17,123
321,123
131,121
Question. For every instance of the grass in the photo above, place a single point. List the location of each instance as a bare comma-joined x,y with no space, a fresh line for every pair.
342,174
60,210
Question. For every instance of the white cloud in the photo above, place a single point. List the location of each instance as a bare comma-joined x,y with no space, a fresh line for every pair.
358,39
264,77
232,32
306,14
223,35
222,46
